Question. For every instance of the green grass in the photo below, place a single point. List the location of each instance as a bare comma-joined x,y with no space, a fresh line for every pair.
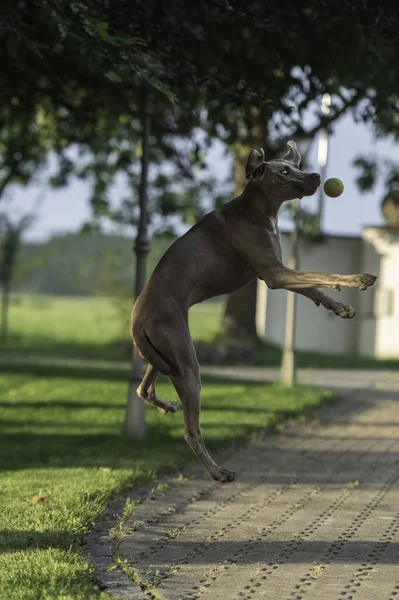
271,356
85,326
89,327
60,439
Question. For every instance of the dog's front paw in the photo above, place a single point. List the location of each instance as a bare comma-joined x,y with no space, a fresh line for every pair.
363,281
223,475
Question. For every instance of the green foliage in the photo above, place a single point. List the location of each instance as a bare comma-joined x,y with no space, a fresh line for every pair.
74,76
368,173
25,141
309,226
82,68
61,42
372,169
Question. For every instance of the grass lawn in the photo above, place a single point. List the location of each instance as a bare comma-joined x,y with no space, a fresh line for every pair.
85,326
62,459
271,356
89,327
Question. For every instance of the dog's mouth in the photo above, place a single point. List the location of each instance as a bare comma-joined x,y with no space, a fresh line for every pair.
307,188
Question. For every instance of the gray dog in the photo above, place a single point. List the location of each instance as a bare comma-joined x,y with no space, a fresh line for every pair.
224,251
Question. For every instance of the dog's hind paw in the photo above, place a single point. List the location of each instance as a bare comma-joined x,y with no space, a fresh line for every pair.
167,407
223,475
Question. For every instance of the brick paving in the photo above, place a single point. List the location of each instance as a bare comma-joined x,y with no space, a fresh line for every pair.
313,514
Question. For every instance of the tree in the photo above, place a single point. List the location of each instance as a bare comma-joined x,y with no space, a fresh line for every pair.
10,244
234,81
367,93
83,67
370,168
79,64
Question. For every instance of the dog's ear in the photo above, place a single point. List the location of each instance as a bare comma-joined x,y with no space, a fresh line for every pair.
292,155
255,166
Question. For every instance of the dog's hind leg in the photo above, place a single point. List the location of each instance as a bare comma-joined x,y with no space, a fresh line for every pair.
188,387
146,390
170,337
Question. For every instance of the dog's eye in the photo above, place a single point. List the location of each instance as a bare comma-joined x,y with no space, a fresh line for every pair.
285,172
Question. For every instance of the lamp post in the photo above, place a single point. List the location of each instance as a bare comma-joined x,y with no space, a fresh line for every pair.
288,371
322,155
135,424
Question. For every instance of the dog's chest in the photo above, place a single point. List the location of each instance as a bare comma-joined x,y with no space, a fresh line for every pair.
274,238
221,276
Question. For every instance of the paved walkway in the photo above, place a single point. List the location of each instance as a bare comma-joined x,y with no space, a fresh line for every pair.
313,514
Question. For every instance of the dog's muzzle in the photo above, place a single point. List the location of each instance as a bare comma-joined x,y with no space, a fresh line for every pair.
310,184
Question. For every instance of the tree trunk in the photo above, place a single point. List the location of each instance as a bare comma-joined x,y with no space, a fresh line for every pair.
5,303
239,320
239,317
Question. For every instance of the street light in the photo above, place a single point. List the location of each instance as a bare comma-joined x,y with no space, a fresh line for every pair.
322,155
288,371
135,424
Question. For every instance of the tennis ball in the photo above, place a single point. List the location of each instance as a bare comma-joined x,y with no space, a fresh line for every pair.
333,187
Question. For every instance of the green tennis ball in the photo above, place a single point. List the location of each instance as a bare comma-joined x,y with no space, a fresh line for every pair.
333,187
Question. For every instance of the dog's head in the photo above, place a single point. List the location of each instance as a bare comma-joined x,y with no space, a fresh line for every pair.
281,178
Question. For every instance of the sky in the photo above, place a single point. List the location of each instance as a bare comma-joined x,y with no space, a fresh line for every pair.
67,209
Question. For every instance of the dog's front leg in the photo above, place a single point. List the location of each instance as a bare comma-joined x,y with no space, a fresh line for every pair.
283,278
341,310
260,247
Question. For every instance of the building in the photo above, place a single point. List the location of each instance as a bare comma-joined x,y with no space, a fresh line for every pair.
375,329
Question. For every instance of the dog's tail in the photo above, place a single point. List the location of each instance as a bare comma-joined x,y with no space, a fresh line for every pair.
148,351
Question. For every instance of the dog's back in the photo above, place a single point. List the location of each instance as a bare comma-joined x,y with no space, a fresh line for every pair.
199,265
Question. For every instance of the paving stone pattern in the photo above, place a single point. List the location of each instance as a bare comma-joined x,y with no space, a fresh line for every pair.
313,514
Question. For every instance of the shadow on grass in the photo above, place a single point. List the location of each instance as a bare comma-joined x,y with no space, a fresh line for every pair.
59,448
48,346
101,406
164,444
120,350
13,541
106,373
59,404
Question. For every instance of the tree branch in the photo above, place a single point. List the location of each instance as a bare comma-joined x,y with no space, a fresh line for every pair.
324,122
7,179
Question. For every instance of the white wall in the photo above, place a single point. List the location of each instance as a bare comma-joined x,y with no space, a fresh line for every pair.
366,339
318,330
379,330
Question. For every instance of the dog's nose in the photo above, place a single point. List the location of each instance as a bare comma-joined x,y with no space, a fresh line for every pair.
315,176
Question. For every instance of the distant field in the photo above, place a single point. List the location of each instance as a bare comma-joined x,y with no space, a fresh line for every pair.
56,321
